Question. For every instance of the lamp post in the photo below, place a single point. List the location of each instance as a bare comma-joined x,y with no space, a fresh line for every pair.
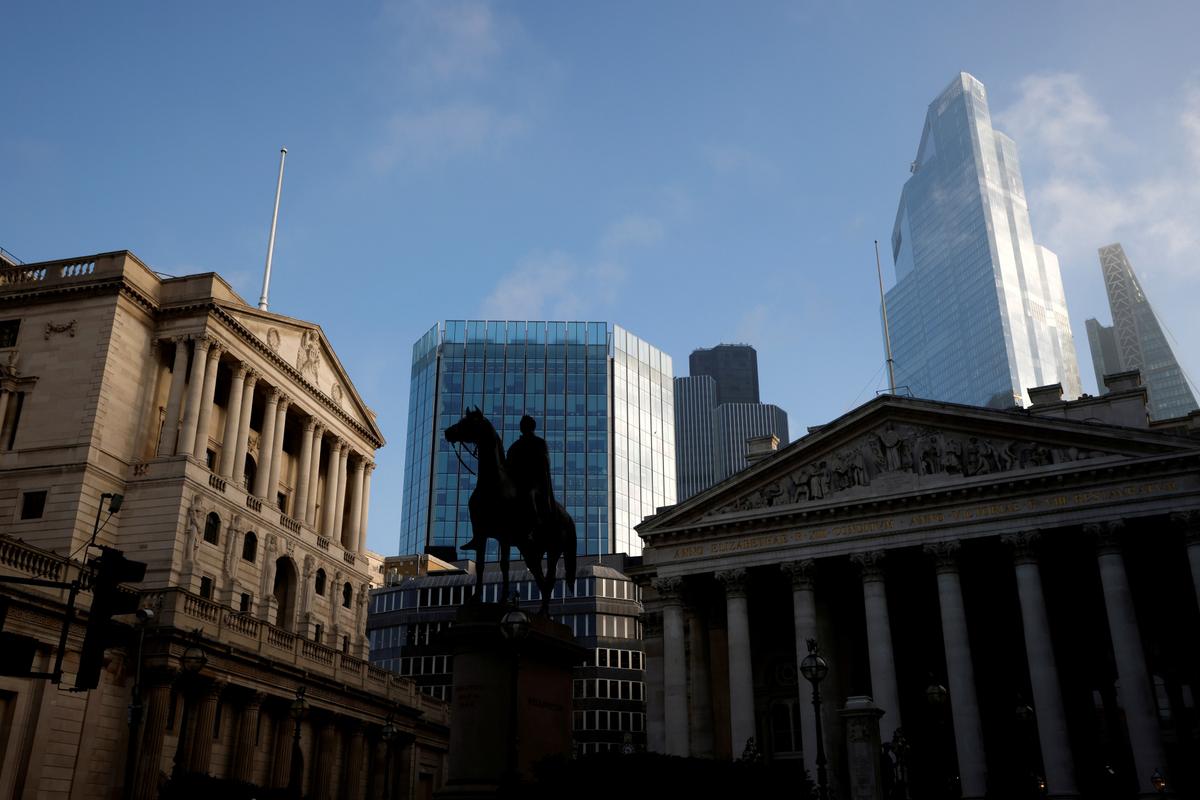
145,616
1025,715
936,696
192,662
1158,782
388,733
296,711
514,627
814,668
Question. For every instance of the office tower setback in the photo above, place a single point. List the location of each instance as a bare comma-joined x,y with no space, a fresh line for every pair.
734,367
978,314
711,429
602,398
1135,340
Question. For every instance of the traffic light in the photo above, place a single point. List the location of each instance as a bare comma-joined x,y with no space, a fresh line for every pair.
111,570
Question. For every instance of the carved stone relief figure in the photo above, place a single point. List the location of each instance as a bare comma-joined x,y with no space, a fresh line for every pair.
306,586
890,440
308,358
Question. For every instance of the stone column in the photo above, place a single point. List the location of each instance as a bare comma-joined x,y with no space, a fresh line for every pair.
314,473
675,721
741,670
277,450
203,420
352,766
200,746
191,413
325,739
170,431
804,618
960,672
700,712
1043,673
366,507
1137,699
238,466
652,641
242,768
884,691
281,764
339,508
4,396
233,411
1189,523
300,506
154,723
328,514
356,489
266,444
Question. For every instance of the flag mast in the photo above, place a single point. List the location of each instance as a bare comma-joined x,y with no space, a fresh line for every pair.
887,336
266,290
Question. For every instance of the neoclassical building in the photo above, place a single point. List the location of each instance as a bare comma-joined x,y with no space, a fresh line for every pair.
1016,590
243,454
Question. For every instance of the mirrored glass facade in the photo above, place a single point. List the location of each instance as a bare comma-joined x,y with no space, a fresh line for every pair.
601,398
978,314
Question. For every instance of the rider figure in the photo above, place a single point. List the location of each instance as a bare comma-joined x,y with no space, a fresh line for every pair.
529,467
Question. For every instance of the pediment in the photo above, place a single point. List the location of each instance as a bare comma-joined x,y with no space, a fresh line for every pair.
895,446
304,347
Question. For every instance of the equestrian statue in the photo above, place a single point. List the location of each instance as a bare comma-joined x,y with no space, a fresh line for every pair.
513,503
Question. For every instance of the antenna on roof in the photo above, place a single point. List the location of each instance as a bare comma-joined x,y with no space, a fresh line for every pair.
266,290
887,336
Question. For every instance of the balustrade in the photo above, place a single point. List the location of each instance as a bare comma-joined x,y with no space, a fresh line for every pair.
322,543
216,482
253,503
289,523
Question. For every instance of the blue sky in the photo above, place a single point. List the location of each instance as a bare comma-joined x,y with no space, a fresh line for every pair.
697,172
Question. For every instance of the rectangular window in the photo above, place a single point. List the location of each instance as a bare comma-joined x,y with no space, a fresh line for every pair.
206,587
33,504
244,606
9,329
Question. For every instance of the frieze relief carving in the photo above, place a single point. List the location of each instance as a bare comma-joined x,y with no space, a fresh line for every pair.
898,456
336,393
273,340
52,328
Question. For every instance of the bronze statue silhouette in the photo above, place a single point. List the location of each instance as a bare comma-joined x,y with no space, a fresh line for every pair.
513,503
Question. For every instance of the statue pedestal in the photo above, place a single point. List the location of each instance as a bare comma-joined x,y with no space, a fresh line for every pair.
863,751
511,705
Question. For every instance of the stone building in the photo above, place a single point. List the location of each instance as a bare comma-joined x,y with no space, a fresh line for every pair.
1017,590
243,455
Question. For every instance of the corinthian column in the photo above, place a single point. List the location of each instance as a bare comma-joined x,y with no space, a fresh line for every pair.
366,507
243,754
238,466
266,445
804,618
149,764
200,449
964,702
1141,715
1043,673
332,468
879,641
200,747
314,474
675,706
170,431
233,415
741,672
1189,523
356,491
277,450
339,508
191,414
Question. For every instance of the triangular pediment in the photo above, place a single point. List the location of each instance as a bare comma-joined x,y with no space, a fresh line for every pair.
896,446
304,347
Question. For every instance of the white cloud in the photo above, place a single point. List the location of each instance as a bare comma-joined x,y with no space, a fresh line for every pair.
1071,152
441,41
634,230
422,138
554,286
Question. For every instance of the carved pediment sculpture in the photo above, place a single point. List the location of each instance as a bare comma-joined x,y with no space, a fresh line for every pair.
889,453
308,357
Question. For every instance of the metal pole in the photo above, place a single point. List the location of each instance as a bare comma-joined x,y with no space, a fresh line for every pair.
296,777
135,717
266,290
887,336
822,776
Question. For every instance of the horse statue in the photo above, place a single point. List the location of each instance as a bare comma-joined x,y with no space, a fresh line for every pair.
498,511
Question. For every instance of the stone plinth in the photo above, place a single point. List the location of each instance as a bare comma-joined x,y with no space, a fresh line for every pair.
511,705
863,753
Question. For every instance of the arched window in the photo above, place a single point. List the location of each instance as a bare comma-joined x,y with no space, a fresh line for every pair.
250,547
212,528
347,594
319,586
250,472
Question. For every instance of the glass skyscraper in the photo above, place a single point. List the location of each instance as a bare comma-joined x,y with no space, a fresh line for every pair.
603,399
977,314
1135,340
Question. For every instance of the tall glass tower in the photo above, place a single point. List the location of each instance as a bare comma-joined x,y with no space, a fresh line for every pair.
1135,340
978,314
602,398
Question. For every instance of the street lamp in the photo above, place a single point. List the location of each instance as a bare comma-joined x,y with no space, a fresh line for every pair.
1158,782
388,733
1025,716
514,626
936,696
145,616
192,661
296,711
814,668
